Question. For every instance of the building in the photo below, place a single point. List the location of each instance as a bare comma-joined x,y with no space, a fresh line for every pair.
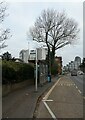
74,64
82,66
17,60
70,66
24,55
77,62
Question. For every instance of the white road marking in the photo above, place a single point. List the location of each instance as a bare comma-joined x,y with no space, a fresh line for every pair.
47,100
47,95
49,110
79,91
26,94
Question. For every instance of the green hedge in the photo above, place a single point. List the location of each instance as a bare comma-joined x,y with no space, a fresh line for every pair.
13,72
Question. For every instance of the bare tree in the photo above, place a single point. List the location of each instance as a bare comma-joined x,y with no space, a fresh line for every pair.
55,29
4,33
63,33
40,30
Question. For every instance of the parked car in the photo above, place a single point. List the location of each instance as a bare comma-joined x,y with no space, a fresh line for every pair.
74,72
80,72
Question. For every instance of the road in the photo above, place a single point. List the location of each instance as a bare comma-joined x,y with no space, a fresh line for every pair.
64,100
79,81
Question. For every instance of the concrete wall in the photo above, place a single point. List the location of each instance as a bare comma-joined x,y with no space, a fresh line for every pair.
6,89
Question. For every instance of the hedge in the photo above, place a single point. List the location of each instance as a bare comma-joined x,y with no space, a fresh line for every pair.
13,72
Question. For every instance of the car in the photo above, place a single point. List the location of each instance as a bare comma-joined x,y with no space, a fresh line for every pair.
74,73
80,72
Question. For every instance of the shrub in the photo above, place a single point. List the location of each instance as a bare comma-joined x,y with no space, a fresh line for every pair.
13,72
8,74
25,72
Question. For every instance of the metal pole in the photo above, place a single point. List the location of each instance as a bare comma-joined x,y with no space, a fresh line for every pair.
36,72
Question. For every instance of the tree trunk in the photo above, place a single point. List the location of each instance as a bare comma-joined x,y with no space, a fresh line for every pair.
49,62
53,55
48,57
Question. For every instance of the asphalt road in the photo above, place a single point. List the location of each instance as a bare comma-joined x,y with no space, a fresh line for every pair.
63,100
79,81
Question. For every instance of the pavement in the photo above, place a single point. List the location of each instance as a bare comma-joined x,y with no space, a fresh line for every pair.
63,100
22,103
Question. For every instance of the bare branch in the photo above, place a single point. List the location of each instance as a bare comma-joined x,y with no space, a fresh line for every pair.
3,45
3,8
4,33
62,45
55,29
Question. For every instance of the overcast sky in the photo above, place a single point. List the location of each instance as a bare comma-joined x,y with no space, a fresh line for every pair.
22,16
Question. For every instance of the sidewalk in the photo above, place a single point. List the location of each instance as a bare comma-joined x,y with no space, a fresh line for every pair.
22,103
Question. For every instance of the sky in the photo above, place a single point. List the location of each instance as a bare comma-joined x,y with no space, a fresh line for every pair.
23,14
